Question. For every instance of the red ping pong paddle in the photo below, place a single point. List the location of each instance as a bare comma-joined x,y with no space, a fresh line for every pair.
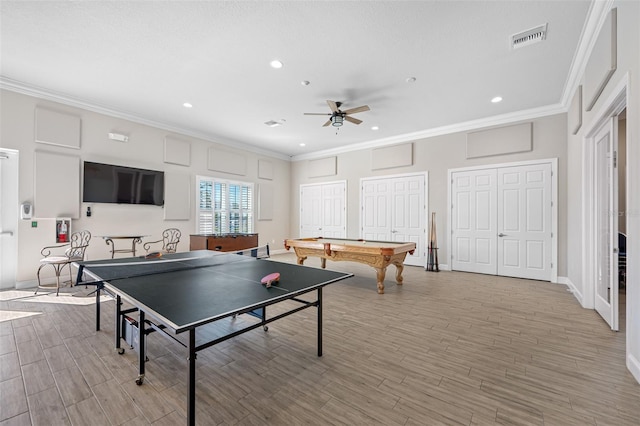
153,255
271,278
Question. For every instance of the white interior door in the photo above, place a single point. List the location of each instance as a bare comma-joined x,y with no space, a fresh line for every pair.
376,210
394,209
606,202
323,211
473,218
334,210
409,214
524,221
310,211
8,217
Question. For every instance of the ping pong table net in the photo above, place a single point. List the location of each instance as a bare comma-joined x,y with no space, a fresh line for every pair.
141,266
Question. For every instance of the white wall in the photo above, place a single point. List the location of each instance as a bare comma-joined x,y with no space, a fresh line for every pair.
145,149
437,155
628,63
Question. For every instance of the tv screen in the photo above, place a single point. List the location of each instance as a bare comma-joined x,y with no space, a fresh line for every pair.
106,183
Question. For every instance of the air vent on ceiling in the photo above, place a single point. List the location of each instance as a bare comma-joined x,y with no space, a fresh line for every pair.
525,38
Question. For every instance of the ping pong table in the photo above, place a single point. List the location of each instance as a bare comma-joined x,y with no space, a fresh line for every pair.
182,292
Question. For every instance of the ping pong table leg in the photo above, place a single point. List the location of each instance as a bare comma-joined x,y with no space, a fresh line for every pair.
118,329
191,379
98,288
319,321
141,347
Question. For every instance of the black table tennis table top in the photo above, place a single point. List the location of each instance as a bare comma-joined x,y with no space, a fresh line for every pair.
188,289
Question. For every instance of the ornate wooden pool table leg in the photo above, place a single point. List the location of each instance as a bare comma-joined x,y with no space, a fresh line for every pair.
380,273
399,269
301,260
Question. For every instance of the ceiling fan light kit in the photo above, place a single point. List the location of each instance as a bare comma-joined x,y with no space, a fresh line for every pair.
338,116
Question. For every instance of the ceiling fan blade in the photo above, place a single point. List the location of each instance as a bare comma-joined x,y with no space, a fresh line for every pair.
351,119
317,113
327,123
333,106
358,109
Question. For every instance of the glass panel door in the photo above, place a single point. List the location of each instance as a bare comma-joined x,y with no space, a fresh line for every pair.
606,297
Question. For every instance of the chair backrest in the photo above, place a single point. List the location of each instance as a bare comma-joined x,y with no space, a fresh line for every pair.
79,242
170,239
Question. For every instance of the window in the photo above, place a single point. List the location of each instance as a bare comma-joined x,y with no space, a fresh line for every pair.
224,206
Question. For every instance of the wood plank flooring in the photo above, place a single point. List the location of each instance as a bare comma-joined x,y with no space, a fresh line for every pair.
443,349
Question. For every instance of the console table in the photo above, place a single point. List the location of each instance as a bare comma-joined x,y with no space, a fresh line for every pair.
135,239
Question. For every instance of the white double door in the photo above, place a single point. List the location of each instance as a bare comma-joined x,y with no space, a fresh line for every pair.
501,221
394,209
323,210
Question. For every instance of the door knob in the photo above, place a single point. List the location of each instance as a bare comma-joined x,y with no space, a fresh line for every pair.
502,235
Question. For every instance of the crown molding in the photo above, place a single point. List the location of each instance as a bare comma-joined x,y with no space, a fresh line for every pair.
40,93
596,16
498,120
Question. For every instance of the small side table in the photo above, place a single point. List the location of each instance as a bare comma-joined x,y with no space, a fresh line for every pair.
135,239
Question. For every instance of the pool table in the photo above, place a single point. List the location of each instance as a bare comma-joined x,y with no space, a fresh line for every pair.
377,254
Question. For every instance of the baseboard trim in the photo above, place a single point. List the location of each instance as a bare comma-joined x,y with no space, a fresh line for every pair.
30,284
633,364
572,288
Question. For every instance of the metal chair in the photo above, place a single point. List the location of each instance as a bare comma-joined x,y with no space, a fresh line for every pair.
170,240
75,252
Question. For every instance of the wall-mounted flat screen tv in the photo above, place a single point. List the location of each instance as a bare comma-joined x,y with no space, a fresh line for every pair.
106,183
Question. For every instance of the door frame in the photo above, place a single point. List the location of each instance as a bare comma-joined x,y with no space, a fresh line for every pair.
611,107
554,207
9,217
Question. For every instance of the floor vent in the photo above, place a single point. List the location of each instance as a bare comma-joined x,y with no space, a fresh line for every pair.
526,38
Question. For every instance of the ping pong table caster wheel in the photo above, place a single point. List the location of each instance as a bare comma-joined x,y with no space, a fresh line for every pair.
140,380
120,351
265,327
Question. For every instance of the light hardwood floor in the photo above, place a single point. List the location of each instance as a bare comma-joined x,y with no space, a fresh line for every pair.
444,348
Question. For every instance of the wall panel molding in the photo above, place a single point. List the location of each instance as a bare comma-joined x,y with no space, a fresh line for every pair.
323,167
392,156
227,162
500,141
57,128
56,185
177,151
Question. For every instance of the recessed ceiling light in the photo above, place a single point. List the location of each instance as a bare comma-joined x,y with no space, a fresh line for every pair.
303,144
274,123
305,82
496,99
375,128
411,80
276,64
187,105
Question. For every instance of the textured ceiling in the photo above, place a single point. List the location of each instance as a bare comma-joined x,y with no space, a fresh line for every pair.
143,60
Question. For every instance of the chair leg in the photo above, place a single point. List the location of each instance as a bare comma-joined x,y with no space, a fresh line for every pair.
58,270
70,276
38,275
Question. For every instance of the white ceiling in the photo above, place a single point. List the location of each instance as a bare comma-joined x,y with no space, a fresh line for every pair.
143,60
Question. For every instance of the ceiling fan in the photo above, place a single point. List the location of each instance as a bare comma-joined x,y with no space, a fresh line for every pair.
338,116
